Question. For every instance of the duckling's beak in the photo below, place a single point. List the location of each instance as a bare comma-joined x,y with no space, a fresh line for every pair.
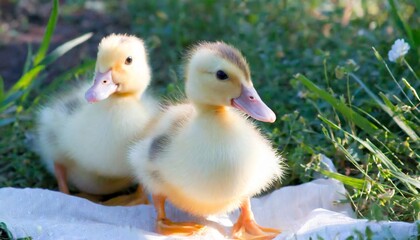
103,86
250,102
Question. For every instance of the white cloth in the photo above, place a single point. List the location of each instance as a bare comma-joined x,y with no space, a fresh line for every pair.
301,212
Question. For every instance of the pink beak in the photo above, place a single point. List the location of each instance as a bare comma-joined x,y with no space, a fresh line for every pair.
250,102
103,86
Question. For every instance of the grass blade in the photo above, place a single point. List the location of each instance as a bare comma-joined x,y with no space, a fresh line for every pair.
1,88
384,107
26,79
351,181
52,22
28,61
376,121
8,100
64,48
387,102
413,91
403,25
395,171
347,112
83,69
409,66
340,146
57,53
6,121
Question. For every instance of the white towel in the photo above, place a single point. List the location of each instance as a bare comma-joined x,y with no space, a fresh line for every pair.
303,211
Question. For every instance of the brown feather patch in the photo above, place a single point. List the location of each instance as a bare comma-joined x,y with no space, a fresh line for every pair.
227,52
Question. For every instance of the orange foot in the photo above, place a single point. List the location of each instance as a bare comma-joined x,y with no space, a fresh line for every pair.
247,228
136,198
61,175
167,227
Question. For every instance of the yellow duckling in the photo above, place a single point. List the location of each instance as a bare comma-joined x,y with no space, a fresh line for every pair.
206,157
86,144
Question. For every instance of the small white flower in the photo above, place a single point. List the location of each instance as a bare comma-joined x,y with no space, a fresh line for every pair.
302,94
398,50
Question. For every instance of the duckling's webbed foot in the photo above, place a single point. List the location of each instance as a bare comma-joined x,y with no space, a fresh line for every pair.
136,198
247,228
167,227
251,230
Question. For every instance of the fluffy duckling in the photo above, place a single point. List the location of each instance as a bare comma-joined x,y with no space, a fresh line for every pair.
206,157
86,144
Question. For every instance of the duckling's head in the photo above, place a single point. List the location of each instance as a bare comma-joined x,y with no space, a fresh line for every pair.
218,75
121,69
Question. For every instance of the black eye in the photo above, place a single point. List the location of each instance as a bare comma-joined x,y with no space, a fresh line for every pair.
128,60
221,75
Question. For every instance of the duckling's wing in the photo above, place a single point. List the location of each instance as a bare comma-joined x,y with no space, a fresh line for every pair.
53,117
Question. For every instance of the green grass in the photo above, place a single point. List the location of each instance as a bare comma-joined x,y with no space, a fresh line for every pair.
19,166
346,102
5,234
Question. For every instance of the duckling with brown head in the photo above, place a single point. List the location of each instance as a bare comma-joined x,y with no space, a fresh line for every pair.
206,157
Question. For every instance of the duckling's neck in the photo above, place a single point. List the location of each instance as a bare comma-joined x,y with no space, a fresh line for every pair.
126,95
219,112
117,99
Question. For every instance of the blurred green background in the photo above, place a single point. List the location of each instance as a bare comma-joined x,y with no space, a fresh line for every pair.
330,42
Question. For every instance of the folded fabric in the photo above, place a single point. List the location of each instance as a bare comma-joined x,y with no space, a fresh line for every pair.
303,211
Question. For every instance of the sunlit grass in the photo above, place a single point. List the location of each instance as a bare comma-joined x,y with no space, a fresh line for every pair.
387,161
19,166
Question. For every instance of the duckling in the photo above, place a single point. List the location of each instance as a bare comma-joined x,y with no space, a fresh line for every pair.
205,156
86,144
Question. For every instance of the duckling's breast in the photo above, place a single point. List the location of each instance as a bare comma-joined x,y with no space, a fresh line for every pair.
97,138
214,167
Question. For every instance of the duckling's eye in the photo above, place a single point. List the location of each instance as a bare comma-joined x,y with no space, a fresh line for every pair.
128,60
221,75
